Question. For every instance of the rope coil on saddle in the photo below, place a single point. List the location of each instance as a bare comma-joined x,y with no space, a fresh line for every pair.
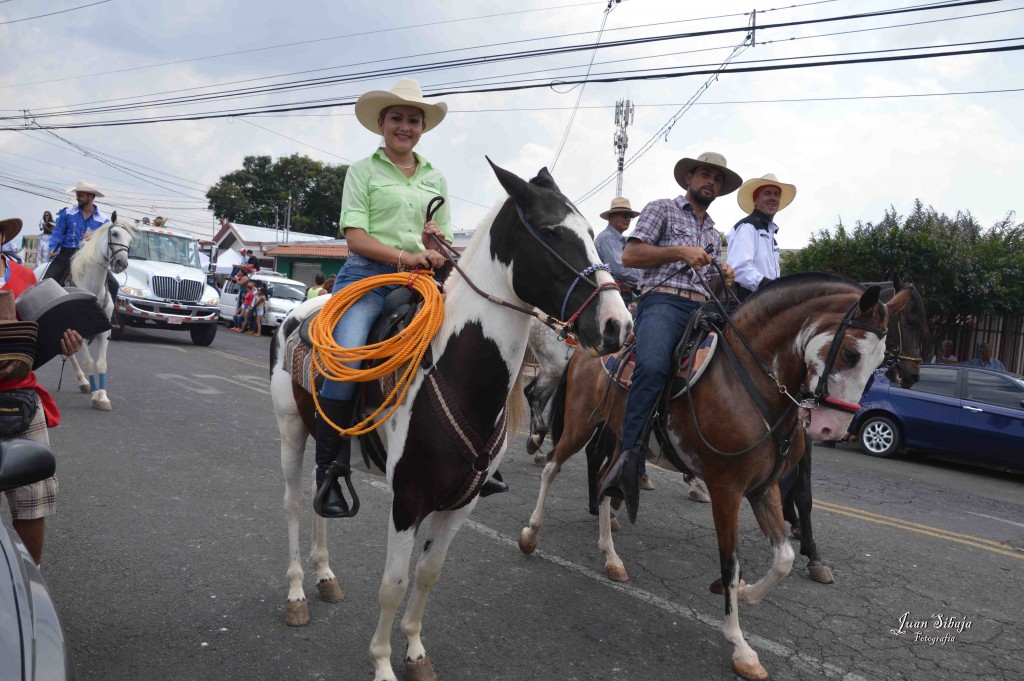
406,349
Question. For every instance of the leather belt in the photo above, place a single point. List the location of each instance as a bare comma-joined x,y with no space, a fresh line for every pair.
681,292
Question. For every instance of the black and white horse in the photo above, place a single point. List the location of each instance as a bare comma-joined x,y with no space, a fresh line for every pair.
533,250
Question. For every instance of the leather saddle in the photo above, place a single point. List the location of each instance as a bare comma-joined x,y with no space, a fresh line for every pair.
692,357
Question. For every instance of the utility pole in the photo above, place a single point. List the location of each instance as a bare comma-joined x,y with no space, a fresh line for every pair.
623,119
288,218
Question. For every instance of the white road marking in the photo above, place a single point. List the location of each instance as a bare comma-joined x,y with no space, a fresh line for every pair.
806,662
251,382
160,346
992,517
189,384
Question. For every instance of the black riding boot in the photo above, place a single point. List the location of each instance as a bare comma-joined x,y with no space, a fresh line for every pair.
333,455
493,485
623,480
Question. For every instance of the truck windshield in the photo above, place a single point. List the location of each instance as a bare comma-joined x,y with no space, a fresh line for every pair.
177,250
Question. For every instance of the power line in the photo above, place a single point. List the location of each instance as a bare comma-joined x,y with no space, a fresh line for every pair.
40,16
520,87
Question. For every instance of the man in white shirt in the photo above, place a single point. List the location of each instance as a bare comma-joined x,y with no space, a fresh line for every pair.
753,250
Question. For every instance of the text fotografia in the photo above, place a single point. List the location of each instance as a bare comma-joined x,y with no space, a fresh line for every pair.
938,629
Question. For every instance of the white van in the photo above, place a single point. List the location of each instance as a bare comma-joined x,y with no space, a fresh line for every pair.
284,295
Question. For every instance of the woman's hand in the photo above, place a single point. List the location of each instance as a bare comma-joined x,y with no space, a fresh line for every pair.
427,260
70,342
430,230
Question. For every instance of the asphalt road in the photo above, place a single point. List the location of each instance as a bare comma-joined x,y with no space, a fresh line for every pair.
167,557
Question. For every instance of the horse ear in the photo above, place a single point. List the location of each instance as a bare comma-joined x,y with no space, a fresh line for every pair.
897,283
512,183
869,299
113,217
899,301
545,180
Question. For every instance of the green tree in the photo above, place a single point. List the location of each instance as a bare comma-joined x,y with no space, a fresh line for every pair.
960,269
252,194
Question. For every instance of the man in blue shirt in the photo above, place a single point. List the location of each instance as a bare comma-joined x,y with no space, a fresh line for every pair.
986,361
73,226
610,244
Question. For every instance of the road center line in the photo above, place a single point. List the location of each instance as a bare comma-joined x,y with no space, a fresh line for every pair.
794,657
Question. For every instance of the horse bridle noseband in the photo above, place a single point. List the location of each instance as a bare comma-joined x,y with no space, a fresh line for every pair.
893,357
563,328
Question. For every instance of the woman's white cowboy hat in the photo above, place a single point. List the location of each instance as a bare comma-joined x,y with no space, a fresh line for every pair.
620,204
87,187
731,182
746,195
406,92
9,228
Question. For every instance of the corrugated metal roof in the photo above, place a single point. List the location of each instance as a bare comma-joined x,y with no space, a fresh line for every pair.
251,234
314,250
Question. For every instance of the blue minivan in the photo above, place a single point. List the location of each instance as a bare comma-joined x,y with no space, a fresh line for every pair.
973,414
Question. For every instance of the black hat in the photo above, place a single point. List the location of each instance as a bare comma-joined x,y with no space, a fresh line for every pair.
56,310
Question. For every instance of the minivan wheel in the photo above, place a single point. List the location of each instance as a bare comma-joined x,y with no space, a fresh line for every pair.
880,436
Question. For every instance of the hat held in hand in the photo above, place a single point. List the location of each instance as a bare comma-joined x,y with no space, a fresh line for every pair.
56,309
17,341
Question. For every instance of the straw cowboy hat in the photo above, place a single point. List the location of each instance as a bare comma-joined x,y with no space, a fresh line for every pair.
17,340
406,92
55,310
87,187
620,204
745,197
731,182
10,228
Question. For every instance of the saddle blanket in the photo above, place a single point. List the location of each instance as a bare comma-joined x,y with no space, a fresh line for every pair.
689,373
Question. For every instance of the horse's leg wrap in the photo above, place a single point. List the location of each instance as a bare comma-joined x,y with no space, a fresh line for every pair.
103,381
92,383
333,456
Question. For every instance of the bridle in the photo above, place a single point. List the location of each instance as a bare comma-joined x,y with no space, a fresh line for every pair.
563,328
893,357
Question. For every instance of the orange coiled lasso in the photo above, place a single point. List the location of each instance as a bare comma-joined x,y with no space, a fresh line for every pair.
407,348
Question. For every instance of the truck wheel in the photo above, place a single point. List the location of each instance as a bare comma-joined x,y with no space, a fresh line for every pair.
117,332
203,334
880,436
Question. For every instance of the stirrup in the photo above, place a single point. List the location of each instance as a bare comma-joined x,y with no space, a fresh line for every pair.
330,501
493,485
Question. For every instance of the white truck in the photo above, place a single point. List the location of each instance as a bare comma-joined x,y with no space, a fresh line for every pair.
166,287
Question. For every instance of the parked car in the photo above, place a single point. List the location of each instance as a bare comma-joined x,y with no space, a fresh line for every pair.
973,414
284,294
32,642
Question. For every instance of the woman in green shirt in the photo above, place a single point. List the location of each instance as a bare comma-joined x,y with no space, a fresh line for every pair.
382,217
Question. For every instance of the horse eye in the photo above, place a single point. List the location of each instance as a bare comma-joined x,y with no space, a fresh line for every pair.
851,356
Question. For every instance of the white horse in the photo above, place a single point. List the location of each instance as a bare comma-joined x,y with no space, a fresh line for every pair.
532,251
106,249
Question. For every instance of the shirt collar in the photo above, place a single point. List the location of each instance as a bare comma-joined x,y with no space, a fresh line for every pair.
379,155
687,207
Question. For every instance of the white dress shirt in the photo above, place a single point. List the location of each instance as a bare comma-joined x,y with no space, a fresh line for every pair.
753,254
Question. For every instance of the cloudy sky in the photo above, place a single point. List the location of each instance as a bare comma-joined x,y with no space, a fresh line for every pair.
855,139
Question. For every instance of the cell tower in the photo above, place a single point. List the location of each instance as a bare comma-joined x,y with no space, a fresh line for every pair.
623,119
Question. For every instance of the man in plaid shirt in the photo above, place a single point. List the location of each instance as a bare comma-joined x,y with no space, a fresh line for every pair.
668,234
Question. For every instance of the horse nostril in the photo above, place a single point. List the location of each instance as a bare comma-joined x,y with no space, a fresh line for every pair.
612,331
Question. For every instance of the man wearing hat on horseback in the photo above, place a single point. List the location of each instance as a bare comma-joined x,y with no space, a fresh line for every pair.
671,237
610,244
75,225
753,250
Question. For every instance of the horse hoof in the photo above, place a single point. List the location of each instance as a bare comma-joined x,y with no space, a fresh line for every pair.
617,573
716,587
540,459
615,524
102,405
420,670
821,573
84,388
330,591
794,532
700,496
527,541
296,613
532,445
751,672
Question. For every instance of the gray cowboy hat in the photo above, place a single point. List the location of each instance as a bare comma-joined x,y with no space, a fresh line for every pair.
731,181
56,309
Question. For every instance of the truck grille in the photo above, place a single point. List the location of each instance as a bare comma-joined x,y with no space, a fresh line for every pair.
184,291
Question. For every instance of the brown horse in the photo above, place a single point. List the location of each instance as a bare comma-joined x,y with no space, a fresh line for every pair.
739,427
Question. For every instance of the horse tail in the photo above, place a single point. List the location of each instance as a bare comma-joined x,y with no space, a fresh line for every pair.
558,407
516,408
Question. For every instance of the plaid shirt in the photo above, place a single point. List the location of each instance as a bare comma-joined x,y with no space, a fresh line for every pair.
671,222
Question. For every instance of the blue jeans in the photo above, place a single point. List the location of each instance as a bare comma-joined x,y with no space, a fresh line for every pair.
661,319
354,326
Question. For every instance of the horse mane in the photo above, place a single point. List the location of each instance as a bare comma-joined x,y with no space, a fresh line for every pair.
774,296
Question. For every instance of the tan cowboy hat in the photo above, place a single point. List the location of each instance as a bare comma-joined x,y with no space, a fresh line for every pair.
10,228
745,197
406,92
620,204
731,182
87,187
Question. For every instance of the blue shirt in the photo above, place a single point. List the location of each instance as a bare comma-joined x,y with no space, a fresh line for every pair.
72,226
992,363
610,245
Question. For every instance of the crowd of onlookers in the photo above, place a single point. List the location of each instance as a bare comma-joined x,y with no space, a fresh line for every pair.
984,358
